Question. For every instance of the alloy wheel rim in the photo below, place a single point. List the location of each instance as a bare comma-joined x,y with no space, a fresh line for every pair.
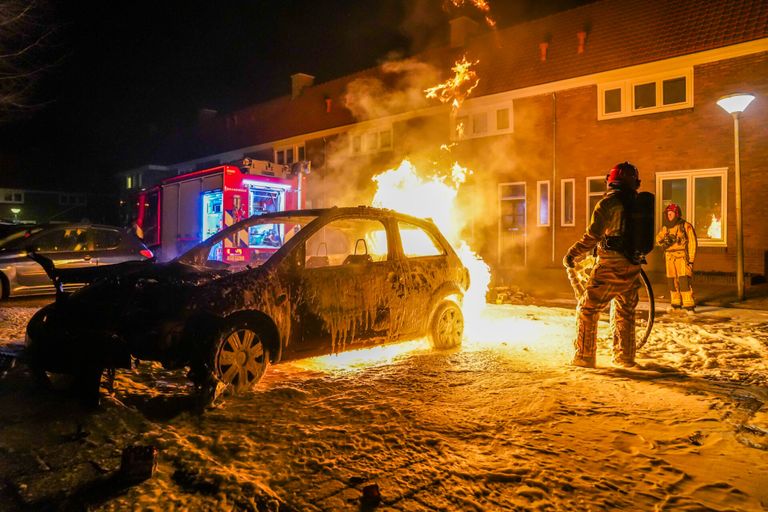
450,327
240,361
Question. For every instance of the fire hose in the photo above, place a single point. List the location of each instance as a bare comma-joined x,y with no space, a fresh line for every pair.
579,277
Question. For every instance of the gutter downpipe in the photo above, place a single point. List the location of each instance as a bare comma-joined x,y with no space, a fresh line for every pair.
554,172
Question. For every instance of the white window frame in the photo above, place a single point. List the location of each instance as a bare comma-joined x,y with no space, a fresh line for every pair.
538,203
627,88
589,194
476,107
690,176
572,181
365,136
284,150
13,192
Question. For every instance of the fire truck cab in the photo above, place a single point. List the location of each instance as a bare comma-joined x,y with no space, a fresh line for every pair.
186,209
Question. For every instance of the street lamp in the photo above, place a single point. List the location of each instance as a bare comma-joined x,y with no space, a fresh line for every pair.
15,212
735,104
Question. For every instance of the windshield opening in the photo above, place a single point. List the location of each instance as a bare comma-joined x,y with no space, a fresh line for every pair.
247,244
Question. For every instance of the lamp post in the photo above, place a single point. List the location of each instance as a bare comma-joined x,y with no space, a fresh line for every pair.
15,212
735,104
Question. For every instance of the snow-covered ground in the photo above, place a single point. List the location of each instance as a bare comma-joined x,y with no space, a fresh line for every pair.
502,424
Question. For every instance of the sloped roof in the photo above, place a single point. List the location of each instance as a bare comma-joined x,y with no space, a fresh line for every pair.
620,33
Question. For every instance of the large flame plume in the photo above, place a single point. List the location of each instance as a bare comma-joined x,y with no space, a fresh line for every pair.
404,190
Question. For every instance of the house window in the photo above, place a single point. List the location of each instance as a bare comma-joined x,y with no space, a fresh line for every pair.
612,101
646,94
460,129
568,202
479,123
478,120
129,182
595,192
11,196
502,119
542,203
302,153
673,91
285,155
701,195
372,141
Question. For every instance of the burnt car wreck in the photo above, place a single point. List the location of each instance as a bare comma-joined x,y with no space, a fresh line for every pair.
328,281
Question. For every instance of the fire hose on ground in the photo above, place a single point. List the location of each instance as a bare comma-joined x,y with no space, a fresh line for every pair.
579,277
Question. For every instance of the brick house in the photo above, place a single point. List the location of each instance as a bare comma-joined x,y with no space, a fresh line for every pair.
560,100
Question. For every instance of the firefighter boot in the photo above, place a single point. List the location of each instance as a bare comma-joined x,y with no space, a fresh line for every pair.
675,301
689,305
586,342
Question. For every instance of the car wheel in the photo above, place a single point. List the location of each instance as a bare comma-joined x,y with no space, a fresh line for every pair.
241,358
447,329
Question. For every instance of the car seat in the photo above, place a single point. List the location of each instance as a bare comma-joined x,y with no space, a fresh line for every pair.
357,259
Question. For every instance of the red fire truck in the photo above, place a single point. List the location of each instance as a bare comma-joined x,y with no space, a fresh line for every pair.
187,209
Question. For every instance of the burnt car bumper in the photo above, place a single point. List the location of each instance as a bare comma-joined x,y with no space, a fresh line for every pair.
57,346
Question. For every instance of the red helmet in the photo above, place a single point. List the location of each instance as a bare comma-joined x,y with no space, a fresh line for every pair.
623,175
672,207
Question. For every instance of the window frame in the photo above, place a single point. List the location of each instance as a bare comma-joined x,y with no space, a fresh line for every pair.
538,203
589,194
472,109
563,181
13,193
283,151
359,140
627,87
690,189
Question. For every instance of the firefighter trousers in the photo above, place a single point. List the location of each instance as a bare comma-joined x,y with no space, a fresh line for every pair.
614,280
679,279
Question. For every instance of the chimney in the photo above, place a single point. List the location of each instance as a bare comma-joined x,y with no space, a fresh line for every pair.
462,29
543,50
299,81
582,37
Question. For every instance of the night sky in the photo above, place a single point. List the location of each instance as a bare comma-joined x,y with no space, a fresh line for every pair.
121,74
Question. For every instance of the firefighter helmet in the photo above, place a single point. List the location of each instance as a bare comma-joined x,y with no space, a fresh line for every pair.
672,207
623,175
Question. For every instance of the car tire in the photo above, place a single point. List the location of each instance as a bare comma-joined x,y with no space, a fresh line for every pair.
241,357
447,327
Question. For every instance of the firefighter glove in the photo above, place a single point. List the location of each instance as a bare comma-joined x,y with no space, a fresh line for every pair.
568,261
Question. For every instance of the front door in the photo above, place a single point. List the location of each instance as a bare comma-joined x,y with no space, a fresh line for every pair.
512,225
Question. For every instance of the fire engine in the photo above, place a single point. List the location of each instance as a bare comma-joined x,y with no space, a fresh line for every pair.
186,209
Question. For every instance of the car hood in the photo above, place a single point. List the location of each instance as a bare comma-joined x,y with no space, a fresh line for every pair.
135,294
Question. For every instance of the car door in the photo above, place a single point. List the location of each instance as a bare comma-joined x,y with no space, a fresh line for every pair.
343,289
424,267
66,247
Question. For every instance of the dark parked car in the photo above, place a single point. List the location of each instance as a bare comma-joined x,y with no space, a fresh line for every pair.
68,246
272,288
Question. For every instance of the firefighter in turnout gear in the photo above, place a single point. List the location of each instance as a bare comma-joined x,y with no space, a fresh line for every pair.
615,277
678,239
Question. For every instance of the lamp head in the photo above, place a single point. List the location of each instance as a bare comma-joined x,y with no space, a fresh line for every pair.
735,103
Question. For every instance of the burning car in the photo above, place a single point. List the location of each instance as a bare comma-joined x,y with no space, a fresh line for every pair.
275,287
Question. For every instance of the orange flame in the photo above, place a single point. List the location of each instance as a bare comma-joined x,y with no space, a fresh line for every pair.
456,89
482,6
402,189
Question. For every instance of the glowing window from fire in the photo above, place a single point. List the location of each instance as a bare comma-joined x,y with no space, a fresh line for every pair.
417,242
